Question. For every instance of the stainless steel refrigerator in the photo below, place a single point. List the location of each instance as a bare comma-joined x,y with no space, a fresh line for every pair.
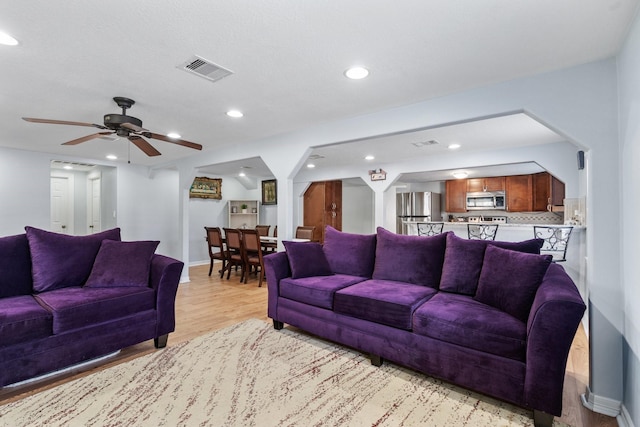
416,207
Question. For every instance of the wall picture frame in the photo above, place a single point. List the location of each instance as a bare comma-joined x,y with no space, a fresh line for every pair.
206,188
270,192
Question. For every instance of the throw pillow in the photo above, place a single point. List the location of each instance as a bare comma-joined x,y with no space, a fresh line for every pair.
59,260
122,264
410,259
15,265
509,280
347,253
307,259
463,261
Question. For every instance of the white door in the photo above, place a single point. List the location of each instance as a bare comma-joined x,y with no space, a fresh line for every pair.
93,204
61,219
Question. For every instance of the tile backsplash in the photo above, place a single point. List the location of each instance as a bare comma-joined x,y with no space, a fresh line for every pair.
518,217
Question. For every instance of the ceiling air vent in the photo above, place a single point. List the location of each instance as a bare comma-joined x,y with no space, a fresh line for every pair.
425,143
206,69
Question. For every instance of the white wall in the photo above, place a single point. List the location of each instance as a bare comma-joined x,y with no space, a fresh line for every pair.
629,92
357,209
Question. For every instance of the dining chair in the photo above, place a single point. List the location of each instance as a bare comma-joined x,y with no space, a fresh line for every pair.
252,254
482,231
271,246
263,230
429,228
305,232
556,240
233,239
214,241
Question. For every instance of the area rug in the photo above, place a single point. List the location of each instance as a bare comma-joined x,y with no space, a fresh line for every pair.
252,375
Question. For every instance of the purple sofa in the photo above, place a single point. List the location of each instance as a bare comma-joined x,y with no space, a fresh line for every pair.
68,299
494,317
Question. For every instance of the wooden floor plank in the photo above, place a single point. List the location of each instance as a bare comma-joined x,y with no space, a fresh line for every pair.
208,303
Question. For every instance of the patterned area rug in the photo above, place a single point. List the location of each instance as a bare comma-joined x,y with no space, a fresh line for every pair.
252,375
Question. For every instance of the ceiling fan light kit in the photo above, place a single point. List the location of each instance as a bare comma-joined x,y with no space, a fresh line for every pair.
123,126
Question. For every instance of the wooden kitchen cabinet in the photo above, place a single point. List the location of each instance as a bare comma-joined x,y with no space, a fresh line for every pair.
456,196
323,206
494,183
519,193
548,191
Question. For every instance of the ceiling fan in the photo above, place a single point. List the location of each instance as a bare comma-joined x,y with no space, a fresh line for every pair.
122,125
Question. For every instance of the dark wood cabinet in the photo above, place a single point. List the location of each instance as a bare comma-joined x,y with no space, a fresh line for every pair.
494,183
456,195
519,191
548,191
323,206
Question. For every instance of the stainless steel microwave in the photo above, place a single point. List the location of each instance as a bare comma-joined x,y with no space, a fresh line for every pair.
486,200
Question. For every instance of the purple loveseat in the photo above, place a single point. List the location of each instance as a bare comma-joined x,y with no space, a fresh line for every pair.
68,299
494,317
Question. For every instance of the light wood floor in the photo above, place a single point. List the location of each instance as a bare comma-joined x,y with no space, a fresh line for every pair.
208,303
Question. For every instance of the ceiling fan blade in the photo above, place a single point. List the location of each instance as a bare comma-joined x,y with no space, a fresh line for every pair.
86,138
173,141
142,144
63,122
133,127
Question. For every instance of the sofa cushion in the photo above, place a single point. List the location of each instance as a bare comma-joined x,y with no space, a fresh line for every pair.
15,265
77,307
307,259
382,301
463,261
58,260
461,320
509,280
347,253
410,259
122,264
318,290
23,319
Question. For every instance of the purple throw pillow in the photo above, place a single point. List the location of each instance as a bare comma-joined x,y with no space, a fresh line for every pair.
307,259
409,259
60,260
347,253
463,261
122,264
509,280
15,265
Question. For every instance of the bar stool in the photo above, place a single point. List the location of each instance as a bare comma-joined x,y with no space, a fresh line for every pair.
429,228
556,240
482,231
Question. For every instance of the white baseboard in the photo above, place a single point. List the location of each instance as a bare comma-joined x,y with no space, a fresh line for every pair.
624,419
601,405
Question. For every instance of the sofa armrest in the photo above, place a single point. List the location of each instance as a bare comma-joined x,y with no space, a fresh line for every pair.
553,321
276,267
164,278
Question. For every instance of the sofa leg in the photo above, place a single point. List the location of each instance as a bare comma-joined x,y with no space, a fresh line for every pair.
161,341
542,419
278,325
375,360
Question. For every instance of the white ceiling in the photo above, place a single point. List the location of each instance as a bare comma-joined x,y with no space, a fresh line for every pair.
287,59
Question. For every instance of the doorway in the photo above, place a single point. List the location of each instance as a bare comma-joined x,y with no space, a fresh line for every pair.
62,201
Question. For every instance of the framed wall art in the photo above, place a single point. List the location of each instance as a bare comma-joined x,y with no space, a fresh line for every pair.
206,188
270,192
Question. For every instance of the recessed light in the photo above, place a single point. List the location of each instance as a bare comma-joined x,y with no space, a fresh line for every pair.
242,174
112,157
174,135
6,39
460,175
356,73
67,167
235,114
454,146
311,165
369,157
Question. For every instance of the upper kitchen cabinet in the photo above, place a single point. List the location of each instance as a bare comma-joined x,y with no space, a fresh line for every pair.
456,195
519,190
496,183
548,192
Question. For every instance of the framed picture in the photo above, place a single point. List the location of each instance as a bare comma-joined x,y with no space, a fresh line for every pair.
270,192
206,188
